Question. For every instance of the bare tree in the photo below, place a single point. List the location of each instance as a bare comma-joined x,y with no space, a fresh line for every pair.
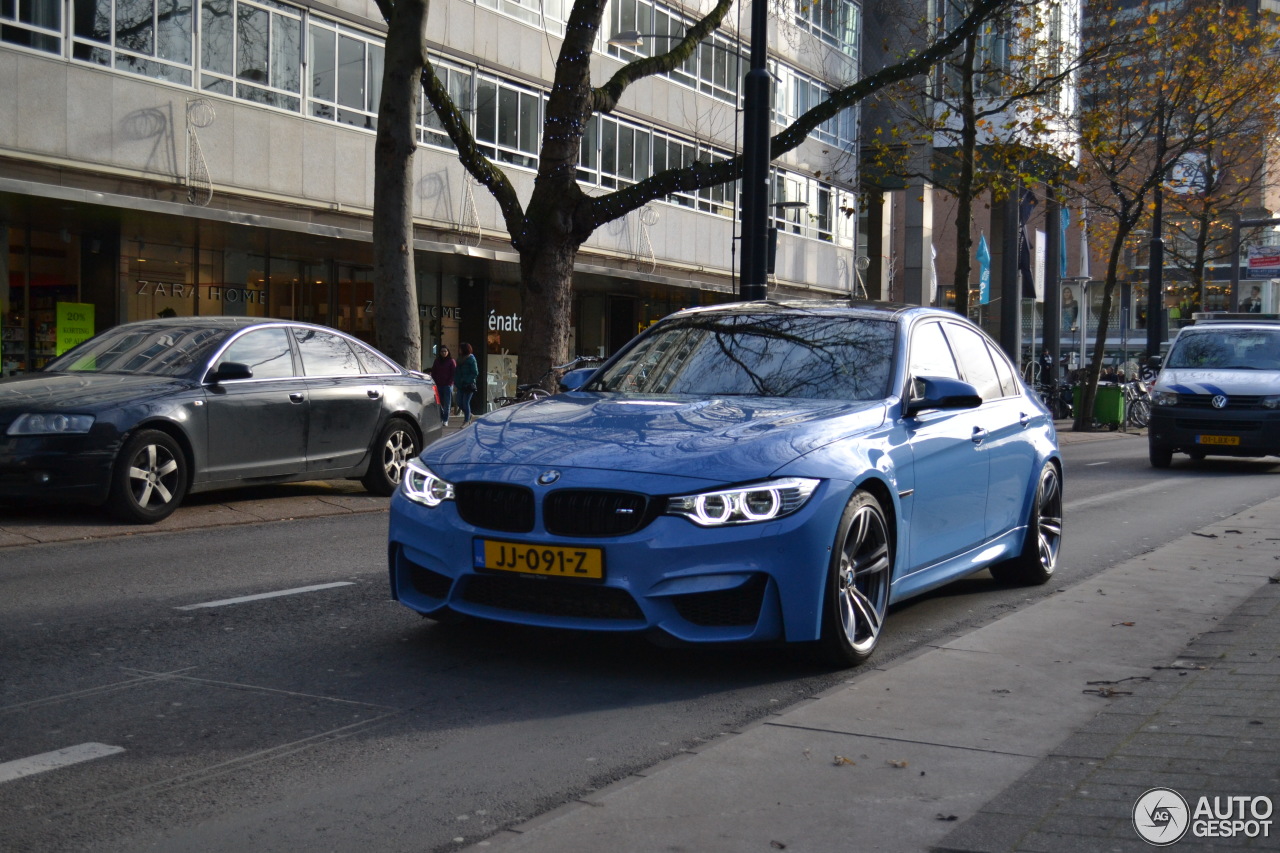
548,229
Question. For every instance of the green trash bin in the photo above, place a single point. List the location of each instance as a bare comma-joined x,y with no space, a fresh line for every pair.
1108,403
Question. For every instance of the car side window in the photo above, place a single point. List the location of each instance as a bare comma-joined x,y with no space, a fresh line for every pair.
1008,382
975,361
265,351
371,361
930,353
324,354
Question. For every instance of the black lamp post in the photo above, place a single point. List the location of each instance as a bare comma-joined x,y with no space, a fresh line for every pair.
755,160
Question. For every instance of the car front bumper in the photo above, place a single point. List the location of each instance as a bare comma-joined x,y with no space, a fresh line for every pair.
1219,432
74,468
741,583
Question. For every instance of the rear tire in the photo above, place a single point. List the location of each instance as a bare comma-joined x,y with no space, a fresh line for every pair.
1039,557
149,480
857,590
1161,457
397,443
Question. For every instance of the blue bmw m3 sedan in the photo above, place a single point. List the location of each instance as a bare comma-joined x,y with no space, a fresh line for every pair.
754,472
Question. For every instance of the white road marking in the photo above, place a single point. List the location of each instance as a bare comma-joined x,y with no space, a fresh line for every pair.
1107,497
11,770
224,602
1092,464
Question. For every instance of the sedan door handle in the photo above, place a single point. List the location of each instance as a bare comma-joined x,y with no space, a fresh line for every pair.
297,396
374,393
1024,418
979,435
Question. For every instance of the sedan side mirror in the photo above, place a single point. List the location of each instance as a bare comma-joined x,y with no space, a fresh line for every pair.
575,379
940,392
229,370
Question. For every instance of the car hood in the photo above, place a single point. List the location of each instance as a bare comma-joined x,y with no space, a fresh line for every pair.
81,392
1229,382
719,439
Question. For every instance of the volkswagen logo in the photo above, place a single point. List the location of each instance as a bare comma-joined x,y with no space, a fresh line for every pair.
546,478
1219,401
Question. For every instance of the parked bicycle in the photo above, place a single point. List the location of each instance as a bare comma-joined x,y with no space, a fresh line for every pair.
1057,398
537,390
1137,404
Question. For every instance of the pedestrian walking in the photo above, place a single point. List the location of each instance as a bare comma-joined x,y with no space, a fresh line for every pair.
442,371
465,380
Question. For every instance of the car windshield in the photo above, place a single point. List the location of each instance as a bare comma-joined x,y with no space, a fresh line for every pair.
147,350
809,356
1227,349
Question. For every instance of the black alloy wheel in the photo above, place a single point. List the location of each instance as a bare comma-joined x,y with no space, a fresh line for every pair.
397,443
149,480
857,593
1039,557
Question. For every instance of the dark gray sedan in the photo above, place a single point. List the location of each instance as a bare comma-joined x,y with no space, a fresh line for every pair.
145,413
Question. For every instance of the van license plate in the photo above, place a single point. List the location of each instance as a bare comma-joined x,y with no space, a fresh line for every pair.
1218,439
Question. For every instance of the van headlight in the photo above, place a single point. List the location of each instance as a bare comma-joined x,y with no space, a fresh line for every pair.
763,501
1272,402
38,423
1164,398
422,486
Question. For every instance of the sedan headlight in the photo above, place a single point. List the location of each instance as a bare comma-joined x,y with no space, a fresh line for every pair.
36,423
744,504
1164,398
421,486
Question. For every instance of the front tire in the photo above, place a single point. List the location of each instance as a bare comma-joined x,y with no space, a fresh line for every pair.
149,480
857,591
1161,457
397,443
1039,557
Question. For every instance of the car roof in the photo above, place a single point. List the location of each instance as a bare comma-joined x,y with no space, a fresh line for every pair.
862,308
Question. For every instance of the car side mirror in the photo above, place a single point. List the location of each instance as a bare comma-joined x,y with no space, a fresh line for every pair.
575,379
940,392
229,370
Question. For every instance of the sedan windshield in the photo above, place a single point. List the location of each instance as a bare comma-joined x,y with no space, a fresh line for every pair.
809,356
151,351
1227,349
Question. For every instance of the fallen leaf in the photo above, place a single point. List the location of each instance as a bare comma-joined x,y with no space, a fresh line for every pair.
1126,624
808,753
840,759
896,763
777,845
942,816
1205,535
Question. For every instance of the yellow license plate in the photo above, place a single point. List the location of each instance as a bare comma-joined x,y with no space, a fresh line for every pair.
1218,439
549,560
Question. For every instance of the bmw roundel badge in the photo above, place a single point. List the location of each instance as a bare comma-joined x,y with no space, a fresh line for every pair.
546,478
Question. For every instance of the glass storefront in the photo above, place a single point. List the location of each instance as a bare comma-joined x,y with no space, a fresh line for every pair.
41,271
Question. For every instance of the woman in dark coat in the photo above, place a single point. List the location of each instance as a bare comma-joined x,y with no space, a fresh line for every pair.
442,371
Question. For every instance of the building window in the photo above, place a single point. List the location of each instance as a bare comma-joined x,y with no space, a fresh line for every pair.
252,51
149,37
544,14
457,82
345,69
508,120
796,93
715,67
835,22
36,24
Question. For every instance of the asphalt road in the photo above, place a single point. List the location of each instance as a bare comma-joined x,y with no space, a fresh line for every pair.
334,719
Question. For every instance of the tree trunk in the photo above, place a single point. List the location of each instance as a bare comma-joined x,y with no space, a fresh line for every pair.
1084,417
395,289
546,287
964,193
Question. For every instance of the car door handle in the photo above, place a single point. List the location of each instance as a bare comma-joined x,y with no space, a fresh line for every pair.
297,396
979,435
374,393
1024,418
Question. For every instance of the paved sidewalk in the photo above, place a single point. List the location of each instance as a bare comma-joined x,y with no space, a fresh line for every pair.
1037,732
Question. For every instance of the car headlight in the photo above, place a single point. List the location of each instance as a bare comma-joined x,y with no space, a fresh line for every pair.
744,504
1272,402
421,486
36,423
1164,398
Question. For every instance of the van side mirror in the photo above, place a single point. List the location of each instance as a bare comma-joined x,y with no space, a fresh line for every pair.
941,392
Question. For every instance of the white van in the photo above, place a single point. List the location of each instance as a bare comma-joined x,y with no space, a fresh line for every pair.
1218,392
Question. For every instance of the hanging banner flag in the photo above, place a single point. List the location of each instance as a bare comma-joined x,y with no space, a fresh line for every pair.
1066,223
984,270
1025,271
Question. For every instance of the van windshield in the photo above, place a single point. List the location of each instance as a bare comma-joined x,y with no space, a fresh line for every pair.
1227,349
